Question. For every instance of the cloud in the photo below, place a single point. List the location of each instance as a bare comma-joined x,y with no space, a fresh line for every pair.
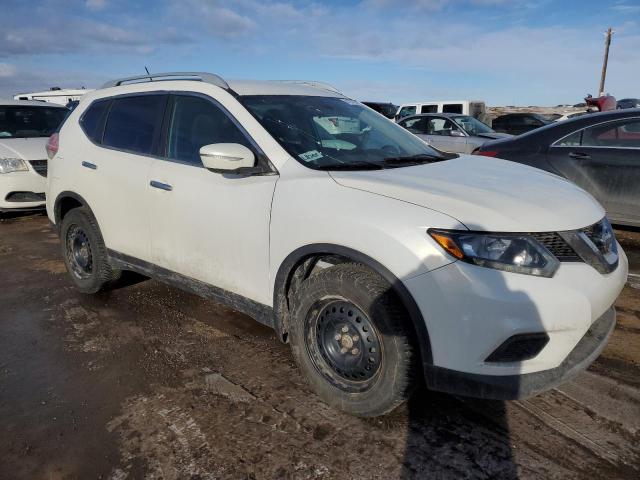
7,70
96,4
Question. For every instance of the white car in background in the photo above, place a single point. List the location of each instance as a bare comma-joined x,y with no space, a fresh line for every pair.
378,258
25,127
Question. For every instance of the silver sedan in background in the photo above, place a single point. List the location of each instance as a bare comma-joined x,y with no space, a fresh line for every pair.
451,132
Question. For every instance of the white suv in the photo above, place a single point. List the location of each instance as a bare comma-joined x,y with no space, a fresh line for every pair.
24,129
375,256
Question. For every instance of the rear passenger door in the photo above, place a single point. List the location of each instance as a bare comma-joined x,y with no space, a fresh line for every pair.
125,131
604,160
209,226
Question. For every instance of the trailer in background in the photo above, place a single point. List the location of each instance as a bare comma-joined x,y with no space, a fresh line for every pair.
60,96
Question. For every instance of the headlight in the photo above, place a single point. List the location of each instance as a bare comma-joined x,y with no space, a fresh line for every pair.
508,252
8,165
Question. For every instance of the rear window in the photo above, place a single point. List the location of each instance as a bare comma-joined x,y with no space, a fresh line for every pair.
30,121
134,123
92,121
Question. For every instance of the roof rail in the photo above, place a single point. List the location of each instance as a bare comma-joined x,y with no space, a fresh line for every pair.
211,78
313,83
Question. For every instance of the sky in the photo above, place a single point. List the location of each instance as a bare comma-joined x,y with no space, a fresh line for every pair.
505,52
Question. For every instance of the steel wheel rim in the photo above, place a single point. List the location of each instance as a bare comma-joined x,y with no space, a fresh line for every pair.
79,254
344,345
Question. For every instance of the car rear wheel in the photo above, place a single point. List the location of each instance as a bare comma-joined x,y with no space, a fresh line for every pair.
350,338
84,252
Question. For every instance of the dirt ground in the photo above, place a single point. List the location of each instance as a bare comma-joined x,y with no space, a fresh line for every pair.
151,382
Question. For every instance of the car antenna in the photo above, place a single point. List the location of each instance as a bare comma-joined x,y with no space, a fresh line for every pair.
147,70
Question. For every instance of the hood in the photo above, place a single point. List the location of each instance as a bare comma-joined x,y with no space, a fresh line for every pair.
493,135
24,148
484,194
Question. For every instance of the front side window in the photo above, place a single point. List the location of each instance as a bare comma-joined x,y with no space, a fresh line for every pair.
440,126
134,122
195,122
30,121
472,125
337,133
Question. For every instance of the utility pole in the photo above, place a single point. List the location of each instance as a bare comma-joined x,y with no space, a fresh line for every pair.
607,44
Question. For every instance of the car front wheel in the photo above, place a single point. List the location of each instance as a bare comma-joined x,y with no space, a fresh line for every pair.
350,337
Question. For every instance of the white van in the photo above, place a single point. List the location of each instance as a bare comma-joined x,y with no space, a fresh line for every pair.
474,108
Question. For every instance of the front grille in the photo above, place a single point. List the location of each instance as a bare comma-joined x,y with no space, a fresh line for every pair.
25,197
39,166
557,246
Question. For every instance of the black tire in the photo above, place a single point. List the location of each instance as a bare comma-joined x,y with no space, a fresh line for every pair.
84,252
350,301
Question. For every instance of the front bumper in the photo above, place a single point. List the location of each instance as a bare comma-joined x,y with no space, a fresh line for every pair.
470,311
512,387
30,182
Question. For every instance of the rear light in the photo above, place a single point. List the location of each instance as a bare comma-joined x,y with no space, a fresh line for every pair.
52,145
486,153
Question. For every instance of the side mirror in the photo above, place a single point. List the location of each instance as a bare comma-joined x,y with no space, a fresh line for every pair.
456,133
226,157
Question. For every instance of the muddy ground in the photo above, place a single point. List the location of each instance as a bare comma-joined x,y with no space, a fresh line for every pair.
151,382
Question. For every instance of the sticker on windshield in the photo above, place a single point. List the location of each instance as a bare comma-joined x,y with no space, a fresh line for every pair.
349,101
311,155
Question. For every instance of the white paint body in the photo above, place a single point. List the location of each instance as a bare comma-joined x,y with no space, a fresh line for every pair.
474,108
235,232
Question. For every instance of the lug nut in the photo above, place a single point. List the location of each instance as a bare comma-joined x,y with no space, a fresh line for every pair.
345,329
355,338
343,350
355,351
338,337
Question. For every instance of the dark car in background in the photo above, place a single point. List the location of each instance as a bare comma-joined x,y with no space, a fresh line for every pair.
628,103
599,152
387,109
518,123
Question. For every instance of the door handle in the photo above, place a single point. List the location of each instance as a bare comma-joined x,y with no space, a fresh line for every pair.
161,186
92,166
580,155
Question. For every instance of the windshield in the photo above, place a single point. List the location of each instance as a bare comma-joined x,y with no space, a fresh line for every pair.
337,133
472,125
29,121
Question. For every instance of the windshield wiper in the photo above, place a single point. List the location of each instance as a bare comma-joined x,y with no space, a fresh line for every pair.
352,166
413,159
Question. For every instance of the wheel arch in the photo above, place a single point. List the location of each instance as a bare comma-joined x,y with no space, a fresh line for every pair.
66,201
299,264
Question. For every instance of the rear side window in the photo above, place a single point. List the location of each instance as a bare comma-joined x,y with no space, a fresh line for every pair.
429,109
452,108
195,122
92,121
134,123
